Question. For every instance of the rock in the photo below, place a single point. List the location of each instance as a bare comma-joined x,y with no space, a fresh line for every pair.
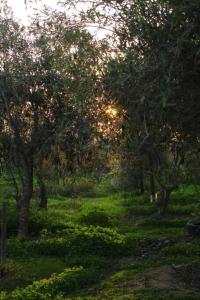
193,227
176,267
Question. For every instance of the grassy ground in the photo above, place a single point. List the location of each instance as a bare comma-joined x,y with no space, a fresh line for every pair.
105,248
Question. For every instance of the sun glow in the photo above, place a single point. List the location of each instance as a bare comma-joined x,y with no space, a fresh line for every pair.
111,111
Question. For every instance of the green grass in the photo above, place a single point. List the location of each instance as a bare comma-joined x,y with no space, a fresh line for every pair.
110,247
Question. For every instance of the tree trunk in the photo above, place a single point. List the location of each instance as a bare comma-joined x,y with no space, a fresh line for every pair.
3,233
164,200
18,200
43,193
17,190
25,204
141,184
152,188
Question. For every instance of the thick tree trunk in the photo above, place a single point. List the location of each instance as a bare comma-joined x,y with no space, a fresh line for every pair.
25,204
43,193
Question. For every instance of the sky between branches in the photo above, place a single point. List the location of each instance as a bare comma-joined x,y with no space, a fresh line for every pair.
24,12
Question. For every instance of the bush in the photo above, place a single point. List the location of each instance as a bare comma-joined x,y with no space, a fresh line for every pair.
83,187
59,189
105,186
96,217
75,240
87,261
38,220
41,219
7,268
46,289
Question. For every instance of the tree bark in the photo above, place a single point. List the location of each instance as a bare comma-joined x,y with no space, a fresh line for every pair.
152,188
17,190
164,199
43,193
25,156
25,203
141,184
163,203
3,233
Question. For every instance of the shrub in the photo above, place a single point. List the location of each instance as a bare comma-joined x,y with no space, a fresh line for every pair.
75,240
96,240
40,220
7,268
84,187
87,261
46,289
105,186
60,189
96,217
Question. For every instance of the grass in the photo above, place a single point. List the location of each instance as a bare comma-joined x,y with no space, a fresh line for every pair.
111,247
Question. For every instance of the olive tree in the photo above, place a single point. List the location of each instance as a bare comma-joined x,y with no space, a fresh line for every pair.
48,75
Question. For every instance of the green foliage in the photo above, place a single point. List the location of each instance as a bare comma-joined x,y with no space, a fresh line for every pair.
38,220
75,240
88,261
50,221
45,289
186,195
96,217
73,186
115,258
7,268
26,269
104,187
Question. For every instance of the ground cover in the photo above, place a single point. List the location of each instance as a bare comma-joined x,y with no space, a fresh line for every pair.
111,247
